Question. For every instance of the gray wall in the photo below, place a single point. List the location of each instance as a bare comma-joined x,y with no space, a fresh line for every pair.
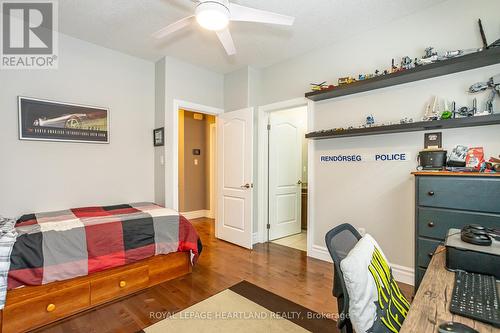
379,197
185,82
159,118
41,176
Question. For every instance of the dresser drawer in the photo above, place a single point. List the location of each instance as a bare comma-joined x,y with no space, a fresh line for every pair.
117,285
466,193
420,272
434,223
426,248
44,309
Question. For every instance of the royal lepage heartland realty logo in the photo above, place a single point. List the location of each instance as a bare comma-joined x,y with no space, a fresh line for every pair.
29,35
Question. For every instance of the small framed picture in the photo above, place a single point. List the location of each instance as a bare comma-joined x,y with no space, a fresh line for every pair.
159,137
433,140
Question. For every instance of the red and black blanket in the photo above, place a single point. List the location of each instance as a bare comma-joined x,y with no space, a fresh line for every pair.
60,245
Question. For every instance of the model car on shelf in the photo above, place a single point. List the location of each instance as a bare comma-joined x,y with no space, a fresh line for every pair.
346,80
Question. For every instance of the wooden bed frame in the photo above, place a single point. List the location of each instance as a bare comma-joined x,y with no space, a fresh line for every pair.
34,306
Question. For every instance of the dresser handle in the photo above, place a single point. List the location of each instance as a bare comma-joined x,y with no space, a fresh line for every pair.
123,284
51,307
430,254
431,193
431,224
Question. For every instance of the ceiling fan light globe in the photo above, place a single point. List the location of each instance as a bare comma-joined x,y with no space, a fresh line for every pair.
212,16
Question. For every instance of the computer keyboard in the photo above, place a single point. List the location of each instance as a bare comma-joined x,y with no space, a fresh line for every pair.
475,296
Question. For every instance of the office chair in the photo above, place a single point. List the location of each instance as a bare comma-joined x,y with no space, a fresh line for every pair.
339,241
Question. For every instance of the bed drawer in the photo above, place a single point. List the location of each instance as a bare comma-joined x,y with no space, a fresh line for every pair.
44,309
117,285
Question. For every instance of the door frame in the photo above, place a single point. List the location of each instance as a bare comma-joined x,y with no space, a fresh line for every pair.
213,170
189,106
263,177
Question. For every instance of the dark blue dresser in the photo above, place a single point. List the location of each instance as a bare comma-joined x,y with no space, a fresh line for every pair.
447,200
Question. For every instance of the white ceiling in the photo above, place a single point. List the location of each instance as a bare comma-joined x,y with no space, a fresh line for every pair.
127,25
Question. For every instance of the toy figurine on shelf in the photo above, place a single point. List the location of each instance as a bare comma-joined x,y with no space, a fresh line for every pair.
432,56
361,77
346,80
465,111
431,112
494,84
321,86
406,120
394,69
407,63
318,86
370,120
447,112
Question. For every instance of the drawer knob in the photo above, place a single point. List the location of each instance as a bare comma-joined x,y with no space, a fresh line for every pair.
123,284
431,224
51,307
430,254
431,193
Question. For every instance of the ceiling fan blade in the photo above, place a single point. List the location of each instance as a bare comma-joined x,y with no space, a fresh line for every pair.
227,41
174,27
242,13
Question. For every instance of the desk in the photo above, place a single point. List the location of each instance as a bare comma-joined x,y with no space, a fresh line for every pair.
431,304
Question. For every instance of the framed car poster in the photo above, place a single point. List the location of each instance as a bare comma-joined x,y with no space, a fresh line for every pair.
56,121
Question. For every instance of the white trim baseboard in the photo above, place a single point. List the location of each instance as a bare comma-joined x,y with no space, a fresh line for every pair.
196,214
256,238
401,273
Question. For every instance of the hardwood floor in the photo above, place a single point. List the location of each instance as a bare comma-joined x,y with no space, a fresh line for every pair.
282,270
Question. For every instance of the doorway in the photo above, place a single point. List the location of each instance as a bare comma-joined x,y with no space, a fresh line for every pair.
196,156
287,177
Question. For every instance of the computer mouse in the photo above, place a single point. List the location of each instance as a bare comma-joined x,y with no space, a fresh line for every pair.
453,327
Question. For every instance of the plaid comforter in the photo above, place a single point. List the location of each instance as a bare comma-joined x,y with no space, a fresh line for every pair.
65,244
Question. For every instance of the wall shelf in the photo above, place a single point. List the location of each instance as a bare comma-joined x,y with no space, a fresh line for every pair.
409,127
450,66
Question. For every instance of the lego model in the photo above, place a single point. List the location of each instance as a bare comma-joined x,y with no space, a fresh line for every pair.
465,111
431,56
394,68
407,63
321,86
494,84
370,120
431,112
346,80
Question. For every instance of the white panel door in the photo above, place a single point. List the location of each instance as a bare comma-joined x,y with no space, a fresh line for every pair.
285,173
235,177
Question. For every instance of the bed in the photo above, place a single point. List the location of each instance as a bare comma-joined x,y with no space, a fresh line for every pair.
69,261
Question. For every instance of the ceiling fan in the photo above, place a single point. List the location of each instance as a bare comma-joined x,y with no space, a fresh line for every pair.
215,15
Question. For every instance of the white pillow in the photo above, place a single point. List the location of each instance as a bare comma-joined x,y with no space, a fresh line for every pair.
367,276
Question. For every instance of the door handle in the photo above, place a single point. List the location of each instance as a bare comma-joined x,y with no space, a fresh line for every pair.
247,186
299,182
